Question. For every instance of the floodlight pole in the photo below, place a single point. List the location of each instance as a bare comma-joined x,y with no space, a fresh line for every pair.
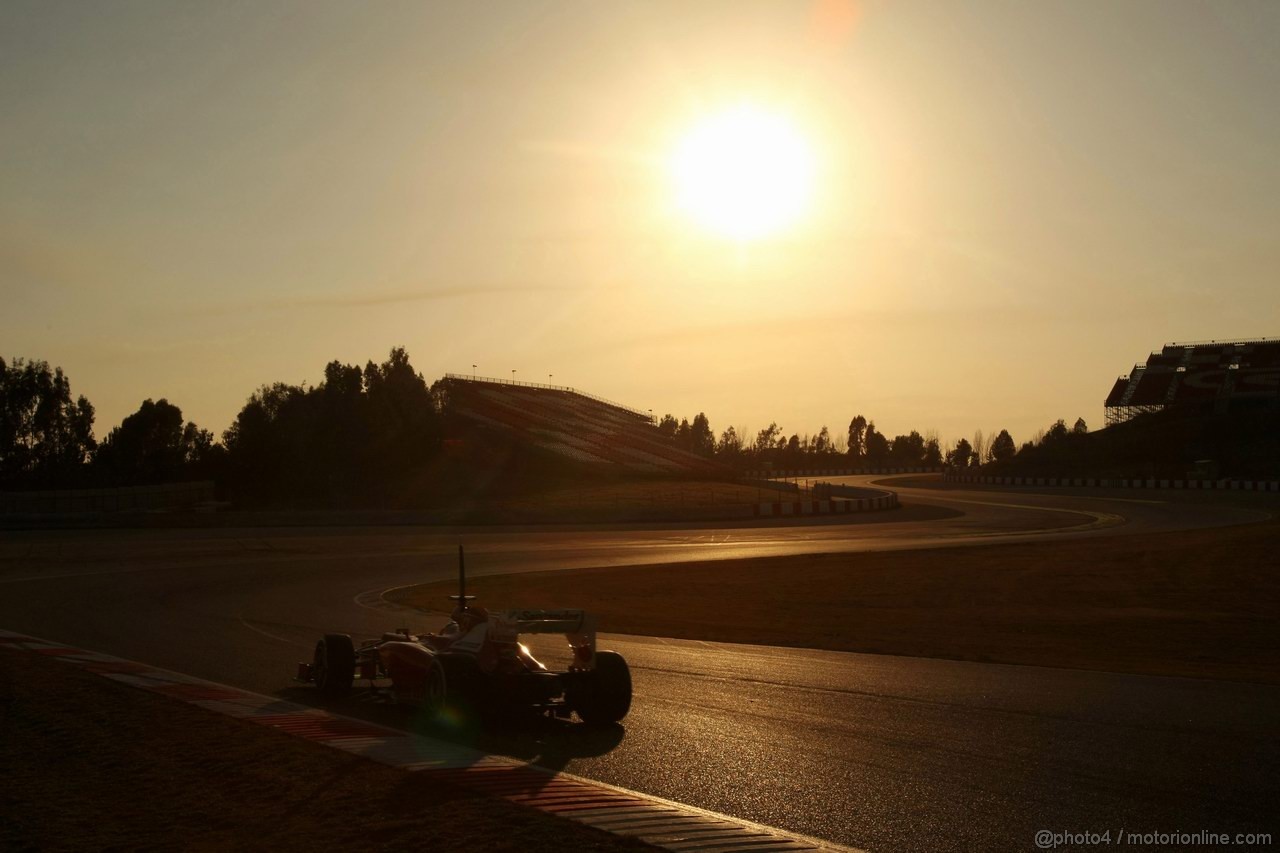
513,376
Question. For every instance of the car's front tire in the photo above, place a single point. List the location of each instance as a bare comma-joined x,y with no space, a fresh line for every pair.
334,666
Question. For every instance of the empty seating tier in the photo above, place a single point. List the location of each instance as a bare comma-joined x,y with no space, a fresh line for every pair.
573,425
1207,373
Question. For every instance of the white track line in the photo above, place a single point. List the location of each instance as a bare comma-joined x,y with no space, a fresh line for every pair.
269,635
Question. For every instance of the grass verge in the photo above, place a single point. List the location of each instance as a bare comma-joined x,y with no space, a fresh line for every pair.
91,764
1198,603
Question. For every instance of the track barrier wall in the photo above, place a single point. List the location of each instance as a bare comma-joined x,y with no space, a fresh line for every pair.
128,499
837,507
1117,483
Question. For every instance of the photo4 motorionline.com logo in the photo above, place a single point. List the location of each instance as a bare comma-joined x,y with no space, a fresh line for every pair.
1050,840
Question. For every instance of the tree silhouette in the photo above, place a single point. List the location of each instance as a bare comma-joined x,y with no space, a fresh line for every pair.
857,437
701,439
403,424
979,445
961,455
730,444
875,445
153,445
1056,433
822,444
767,438
1002,447
45,436
363,437
684,437
932,452
908,449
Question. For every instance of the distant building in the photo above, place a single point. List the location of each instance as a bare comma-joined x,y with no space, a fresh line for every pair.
1203,375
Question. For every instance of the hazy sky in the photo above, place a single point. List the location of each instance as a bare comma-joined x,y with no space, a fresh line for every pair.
1014,200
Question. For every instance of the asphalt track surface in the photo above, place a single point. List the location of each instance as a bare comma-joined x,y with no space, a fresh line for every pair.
873,751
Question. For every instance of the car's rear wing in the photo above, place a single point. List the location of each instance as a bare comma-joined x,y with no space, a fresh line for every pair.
578,626
547,621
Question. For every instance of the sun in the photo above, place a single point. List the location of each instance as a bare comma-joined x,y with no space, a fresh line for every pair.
743,173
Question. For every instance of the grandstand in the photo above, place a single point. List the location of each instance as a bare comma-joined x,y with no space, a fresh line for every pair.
1203,375
578,427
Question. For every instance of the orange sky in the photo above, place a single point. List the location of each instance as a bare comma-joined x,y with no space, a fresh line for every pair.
1012,203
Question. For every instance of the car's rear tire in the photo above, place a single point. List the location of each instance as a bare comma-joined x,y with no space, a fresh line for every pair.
334,667
603,696
435,690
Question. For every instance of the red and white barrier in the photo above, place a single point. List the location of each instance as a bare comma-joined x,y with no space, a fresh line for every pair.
833,507
836,472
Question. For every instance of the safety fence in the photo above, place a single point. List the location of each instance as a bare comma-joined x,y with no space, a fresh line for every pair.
1117,483
648,416
838,472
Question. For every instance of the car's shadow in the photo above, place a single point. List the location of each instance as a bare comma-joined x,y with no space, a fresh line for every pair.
538,739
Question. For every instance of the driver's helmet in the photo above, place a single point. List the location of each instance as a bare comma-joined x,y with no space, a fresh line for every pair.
467,618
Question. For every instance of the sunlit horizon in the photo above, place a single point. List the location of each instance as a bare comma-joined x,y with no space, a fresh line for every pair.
941,217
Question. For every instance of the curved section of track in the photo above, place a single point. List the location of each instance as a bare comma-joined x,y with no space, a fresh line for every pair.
871,751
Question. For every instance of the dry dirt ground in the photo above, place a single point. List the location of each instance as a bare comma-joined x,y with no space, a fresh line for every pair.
88,764
1199,603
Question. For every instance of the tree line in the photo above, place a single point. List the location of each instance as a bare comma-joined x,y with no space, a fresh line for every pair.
861,446
365,435
356,438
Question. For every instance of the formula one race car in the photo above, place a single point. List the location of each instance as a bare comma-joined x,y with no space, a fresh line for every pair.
477,665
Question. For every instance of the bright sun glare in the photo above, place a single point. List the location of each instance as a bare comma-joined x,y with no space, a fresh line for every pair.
743,173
